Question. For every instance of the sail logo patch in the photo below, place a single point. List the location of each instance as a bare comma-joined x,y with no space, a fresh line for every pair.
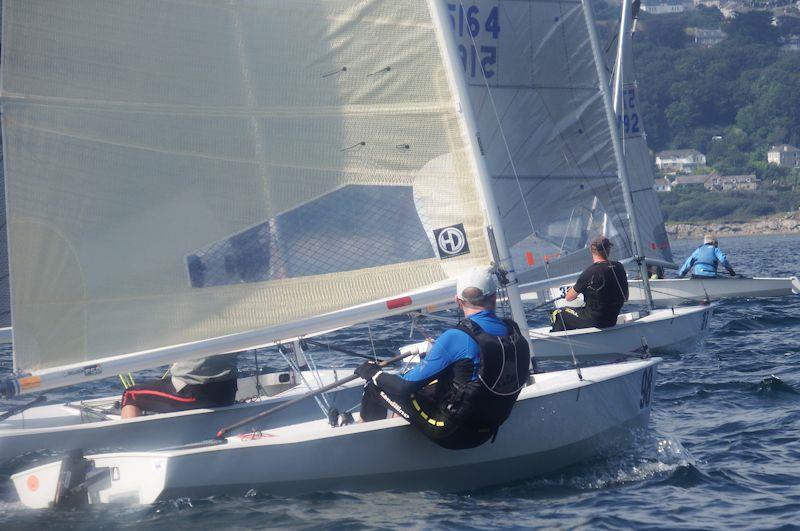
451,241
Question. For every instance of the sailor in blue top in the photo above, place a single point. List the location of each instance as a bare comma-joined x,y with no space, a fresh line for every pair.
447,395
704,260
452,346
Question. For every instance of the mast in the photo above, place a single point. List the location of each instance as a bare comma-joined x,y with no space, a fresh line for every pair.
612,124
495,234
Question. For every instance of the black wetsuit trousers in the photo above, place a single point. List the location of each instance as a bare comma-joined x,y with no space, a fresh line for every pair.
570,319
421,411
162,397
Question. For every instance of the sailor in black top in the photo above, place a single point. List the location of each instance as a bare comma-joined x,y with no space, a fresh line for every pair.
604,286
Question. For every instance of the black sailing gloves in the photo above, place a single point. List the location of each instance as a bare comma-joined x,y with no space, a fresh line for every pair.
732,272
368,370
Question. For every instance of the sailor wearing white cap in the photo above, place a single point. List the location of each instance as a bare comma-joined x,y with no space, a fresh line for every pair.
478,368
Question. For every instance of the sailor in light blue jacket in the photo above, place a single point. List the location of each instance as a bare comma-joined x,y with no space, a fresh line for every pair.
704,260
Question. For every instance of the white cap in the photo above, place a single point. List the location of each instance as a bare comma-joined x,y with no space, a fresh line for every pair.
479,278
709,238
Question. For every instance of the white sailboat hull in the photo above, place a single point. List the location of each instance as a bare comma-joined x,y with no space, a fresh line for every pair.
670,291
664,329
678,290
558,421
65,427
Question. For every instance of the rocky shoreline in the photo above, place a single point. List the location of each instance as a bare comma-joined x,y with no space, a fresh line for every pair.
779,224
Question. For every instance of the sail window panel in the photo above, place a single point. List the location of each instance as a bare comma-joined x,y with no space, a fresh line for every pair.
144,197
157,149
352,228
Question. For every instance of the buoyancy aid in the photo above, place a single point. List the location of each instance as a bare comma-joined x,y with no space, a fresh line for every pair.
486,402
706,260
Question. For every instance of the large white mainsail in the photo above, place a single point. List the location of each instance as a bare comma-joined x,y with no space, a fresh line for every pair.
534,89
178,172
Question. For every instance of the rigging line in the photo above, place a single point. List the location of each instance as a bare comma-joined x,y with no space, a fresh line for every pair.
511,160
499,125
511,102
371,342
570,342
297,371
624,234
619,285
566,231
259,387
314,371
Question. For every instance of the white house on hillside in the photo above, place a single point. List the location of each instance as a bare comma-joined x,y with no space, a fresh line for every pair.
662,185
659,7
784,155
692,181
682,160
732,182
705,38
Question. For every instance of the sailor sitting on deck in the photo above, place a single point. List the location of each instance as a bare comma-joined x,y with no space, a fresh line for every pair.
465,387
193,384
704,260
604,286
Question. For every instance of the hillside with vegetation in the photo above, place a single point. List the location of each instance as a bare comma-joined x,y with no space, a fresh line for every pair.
731,101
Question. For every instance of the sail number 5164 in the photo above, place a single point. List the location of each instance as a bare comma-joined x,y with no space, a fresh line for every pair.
470,22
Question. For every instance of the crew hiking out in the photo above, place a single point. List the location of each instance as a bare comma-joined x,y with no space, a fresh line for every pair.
478,370
704,260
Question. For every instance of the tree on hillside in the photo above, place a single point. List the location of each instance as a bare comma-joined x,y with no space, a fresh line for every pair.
788,26
773,112
730,155
752,27
664,30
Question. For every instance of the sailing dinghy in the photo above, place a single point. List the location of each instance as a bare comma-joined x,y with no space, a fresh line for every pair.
94,425
540,436
588,174
671,291
286,168
667,292
42,114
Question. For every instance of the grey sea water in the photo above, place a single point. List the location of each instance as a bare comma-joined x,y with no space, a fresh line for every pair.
721,450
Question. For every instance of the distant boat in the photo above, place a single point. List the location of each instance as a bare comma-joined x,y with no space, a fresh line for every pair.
631,217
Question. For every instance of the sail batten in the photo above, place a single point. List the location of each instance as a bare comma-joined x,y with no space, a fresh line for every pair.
184,171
